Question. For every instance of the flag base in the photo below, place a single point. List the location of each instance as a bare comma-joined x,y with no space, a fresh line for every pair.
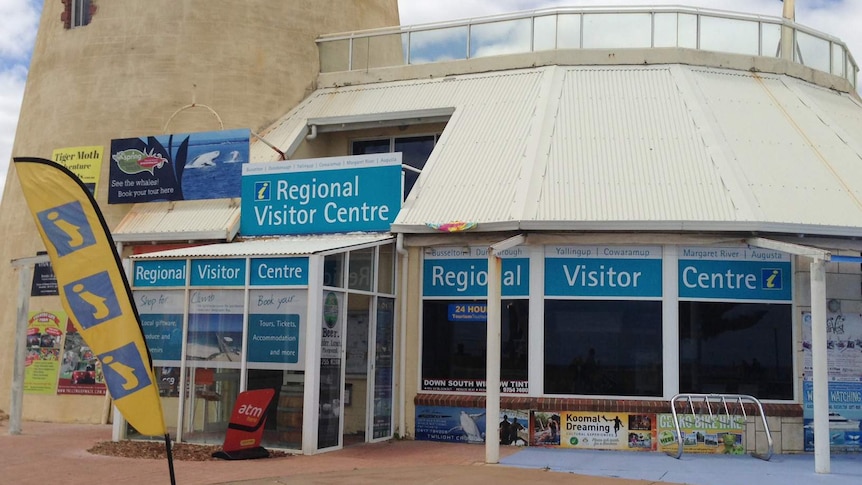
246,454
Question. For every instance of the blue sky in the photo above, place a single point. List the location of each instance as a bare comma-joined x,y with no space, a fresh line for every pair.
19,21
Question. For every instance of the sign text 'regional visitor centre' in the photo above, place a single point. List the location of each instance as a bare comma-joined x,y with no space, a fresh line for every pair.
321,195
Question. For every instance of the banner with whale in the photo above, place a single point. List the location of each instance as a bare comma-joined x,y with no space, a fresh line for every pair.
185,166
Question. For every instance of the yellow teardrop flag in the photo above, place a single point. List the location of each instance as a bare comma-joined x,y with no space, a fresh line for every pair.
93,287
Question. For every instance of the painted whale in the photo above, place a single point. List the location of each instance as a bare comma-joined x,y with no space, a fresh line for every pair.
204,160
234,157
469,427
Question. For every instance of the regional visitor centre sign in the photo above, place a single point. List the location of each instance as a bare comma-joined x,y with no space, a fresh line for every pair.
321,195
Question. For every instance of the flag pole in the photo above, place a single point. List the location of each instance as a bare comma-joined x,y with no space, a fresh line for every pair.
170,456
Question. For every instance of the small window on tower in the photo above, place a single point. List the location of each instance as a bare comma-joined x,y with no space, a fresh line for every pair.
77,13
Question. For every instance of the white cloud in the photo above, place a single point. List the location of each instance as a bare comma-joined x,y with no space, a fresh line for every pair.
19,20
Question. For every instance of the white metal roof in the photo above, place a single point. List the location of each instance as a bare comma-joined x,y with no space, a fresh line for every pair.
658,147
282,246
213,219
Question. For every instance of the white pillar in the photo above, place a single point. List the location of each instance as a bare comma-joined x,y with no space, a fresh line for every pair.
492,365
787,32
25,275
819,365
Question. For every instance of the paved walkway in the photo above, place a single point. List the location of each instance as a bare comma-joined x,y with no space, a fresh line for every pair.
57,453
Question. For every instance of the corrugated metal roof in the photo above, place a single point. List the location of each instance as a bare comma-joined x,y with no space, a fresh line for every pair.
282,246
199,220
659,147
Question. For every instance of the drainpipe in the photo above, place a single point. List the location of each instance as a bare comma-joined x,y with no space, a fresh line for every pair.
402,336
492,361
313,134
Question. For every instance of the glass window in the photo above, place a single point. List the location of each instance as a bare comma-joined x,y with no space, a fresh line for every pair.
386,269
454,345
333,270
544,33
437,45
215,326
161,315
283,426
498,38
415,151
77,13
736,348
361,274
608,347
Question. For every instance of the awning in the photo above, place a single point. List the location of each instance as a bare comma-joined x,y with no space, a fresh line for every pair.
185,220
282,246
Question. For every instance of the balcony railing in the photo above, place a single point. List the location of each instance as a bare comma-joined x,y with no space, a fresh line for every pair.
585,28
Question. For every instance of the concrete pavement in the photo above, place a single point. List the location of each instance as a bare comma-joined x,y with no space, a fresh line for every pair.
57,453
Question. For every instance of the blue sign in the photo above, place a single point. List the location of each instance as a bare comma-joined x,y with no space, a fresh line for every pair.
188,166
323,195
735,280
167,272
92,300
468,312
279,271
469,277
218,272
164,334
67,228
603,277
124,370
273,338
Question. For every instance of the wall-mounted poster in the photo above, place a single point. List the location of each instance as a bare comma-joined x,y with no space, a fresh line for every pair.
44,279
188,166
161,315
80,371
593,430
215,326
701,433
44,333
84,162
844,361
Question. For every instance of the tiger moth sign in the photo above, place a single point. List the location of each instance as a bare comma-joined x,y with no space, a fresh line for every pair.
93,287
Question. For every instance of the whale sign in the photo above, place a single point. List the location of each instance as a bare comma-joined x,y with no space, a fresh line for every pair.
187,166
93,287
321,195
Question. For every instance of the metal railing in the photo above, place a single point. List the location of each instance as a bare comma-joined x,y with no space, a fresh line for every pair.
585,28
724,404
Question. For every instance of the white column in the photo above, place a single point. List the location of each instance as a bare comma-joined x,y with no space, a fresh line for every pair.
787,32
819,365
492,365
25,275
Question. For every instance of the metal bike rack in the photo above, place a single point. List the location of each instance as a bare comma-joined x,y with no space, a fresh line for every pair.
721,402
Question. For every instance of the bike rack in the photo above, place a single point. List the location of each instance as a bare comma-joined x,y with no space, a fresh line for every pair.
721,402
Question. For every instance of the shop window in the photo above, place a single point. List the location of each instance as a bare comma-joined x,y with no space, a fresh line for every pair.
333,270
283,426
415,152
611,347
454,349
361,274
736,348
